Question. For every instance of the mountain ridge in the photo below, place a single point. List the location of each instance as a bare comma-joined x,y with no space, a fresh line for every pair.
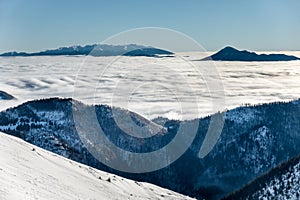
253,140
231,54
96,50
281,182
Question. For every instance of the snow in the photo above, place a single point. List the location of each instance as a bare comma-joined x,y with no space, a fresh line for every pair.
286,186
29,172
51,116
241,117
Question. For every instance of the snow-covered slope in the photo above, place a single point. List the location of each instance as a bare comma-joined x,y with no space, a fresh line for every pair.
29,172
282,182
285,186
254,139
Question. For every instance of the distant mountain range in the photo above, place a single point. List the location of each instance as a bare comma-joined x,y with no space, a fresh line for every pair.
254,139
97,50
232,54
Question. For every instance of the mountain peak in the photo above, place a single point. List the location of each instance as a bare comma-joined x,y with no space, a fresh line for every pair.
231,54
229,48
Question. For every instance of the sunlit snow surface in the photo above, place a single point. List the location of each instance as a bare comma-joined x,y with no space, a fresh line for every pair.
171,87
29,172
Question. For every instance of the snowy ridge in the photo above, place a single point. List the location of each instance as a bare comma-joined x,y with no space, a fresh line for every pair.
282,182
96,50
241,117
286,186
250,145
29,172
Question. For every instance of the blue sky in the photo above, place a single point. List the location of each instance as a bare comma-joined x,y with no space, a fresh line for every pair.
33,25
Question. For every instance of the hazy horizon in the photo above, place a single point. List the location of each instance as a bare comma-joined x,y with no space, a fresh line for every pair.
82,45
